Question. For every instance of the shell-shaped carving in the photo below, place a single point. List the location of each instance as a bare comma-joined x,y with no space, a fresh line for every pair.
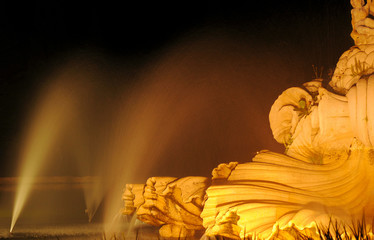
286,112
276,188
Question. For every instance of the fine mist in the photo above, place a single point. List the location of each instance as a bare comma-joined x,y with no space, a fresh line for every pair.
197,103
56,110
200,103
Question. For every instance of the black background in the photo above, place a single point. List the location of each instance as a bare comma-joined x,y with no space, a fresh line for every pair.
36,36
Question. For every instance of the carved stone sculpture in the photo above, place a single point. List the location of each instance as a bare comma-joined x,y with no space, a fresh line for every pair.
173,204
326,171
327,168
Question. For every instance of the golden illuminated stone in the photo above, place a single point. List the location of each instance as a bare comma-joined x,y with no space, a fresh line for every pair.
325,173
173,204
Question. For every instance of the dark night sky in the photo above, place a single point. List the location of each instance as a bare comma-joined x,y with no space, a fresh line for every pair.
37,36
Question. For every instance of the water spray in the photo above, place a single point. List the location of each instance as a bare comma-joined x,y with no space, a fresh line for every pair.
50,119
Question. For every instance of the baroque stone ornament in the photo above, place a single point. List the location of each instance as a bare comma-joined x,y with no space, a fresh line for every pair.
173,204
326,172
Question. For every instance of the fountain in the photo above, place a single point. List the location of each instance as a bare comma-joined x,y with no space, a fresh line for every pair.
157,119
324,175
48,124
59,114
327,134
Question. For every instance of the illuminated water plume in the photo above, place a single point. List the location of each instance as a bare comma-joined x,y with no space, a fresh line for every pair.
55,110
